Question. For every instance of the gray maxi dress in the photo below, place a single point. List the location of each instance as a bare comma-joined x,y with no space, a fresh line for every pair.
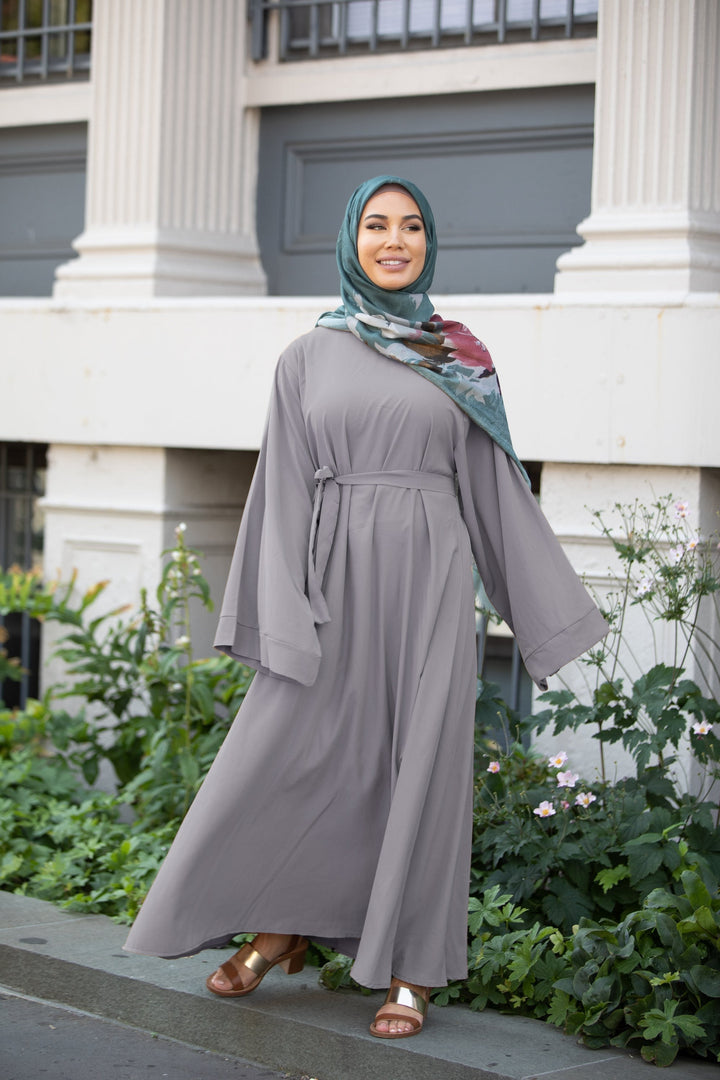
340,804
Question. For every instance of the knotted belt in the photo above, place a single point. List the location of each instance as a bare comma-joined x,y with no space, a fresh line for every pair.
326,507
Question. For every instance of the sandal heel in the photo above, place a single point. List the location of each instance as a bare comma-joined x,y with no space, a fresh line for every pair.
294,964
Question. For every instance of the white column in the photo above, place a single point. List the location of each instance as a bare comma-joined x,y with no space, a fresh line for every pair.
655,213
172,155
111,511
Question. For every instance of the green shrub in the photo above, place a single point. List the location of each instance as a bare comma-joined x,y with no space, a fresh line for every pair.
594,906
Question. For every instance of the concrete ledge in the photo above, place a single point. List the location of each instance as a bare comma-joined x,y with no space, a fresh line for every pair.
290,1025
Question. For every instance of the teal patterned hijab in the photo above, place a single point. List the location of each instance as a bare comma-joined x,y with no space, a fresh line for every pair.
402,325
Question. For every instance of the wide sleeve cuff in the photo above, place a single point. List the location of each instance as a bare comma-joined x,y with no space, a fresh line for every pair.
250,646
559,650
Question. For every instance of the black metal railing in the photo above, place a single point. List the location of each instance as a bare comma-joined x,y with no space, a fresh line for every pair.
305,29
22,484
44,40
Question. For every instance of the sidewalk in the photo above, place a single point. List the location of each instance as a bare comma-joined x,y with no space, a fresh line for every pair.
291,1024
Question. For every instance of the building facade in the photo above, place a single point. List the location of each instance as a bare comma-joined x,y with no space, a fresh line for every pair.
172,176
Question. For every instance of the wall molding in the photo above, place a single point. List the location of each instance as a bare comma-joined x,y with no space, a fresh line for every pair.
300,156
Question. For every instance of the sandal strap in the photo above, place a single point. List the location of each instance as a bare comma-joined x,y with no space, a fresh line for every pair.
251,959
390,1015
404,995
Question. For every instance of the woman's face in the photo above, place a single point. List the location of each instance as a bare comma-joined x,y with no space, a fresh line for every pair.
391,239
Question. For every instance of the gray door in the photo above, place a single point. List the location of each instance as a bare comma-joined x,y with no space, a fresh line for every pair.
508,175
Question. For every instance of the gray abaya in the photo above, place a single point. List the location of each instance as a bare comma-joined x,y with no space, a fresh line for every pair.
340,805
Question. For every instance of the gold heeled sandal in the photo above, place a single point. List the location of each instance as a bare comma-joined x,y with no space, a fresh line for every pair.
292,961
405,1004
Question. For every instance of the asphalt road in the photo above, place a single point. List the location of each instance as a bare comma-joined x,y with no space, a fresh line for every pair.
39,1040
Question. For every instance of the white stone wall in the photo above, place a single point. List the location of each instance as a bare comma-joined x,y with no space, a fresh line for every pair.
632,383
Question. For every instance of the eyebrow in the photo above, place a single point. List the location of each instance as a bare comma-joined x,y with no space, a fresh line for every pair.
384,217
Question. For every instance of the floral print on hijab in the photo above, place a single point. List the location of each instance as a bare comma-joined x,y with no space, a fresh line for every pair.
402,325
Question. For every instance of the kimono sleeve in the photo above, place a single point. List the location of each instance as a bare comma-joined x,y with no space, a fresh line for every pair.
525,571
266,620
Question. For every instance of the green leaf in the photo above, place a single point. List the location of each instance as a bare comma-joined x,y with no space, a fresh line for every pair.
610,877
706,980
660,1053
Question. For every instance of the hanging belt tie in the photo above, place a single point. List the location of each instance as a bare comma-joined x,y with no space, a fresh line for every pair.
326,507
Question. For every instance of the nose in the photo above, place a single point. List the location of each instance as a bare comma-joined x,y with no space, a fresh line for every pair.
394,237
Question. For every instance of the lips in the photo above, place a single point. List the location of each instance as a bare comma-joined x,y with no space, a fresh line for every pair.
390,263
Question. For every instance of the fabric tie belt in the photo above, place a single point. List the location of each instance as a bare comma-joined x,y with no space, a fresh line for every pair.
325,515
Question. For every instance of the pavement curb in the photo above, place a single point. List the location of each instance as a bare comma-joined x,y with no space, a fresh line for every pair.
290,1024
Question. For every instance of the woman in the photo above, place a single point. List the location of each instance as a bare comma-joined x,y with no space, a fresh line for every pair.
340,805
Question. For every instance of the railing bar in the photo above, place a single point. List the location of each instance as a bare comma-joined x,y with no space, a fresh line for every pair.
314,29
45,40
374,25
436,23
71,40
257,30
20,56
535,31
342,26
284,31
502,20
569,19
469,4
405,39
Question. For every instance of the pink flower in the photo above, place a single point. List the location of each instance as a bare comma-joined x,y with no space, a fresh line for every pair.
692,543
494,766
702,727
564,804
682,509
584,798
557,760
545,809
567,779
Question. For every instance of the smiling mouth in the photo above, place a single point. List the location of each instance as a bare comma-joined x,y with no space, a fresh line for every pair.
393,262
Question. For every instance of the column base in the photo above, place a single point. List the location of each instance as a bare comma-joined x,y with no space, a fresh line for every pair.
660,251
151,262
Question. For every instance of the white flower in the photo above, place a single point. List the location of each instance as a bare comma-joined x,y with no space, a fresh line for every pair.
682,509
182,642
584,798
567,779
176,556
180,529
545,809
692,543
645,586
702,727
677,553
493,767
557,760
